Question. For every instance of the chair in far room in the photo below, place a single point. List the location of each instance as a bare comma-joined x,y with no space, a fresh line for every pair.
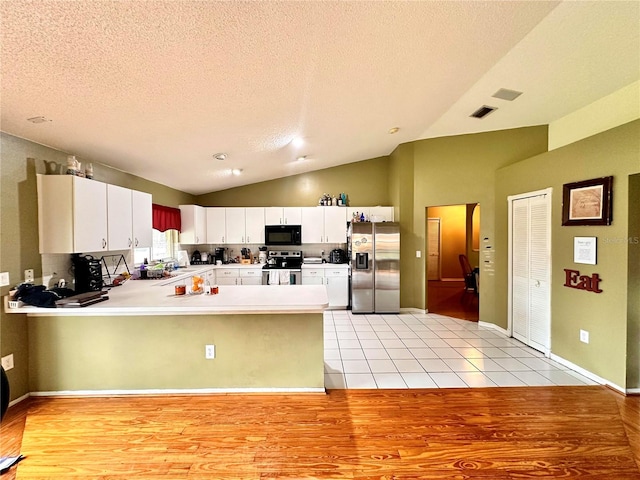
469,274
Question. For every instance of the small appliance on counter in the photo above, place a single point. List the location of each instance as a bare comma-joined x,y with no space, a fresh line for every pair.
87,272
337,255
183,258
262,256
220,255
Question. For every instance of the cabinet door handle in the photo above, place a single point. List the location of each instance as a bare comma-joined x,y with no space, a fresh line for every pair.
136,241
242,240
130,242
104,243
248,241
223,239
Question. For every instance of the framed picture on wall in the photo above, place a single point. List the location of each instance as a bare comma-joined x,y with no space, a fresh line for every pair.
588,202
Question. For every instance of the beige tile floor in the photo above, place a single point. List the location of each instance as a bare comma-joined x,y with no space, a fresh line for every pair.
430,351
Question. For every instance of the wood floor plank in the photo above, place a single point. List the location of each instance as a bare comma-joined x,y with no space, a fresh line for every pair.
491,434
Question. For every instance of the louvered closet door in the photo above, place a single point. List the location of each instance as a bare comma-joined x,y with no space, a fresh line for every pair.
531,266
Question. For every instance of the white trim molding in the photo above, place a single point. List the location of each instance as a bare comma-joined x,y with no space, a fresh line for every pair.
494,327
172,391
587,373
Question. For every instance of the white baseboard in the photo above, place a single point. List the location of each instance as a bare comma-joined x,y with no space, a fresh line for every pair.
633,391
19,399
494,327
412,310
172,391
586,373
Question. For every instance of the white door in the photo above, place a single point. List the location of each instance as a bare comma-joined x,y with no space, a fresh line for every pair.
119,218
216,225
234,218
313,224
433,249
142,219
254,225
335,225
89,215
530,269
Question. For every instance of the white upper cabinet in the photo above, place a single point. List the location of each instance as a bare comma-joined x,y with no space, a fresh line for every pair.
283,216
235,220
72,214
324,225
335,224
142,218
216,225
194,224
372,214
78,215
119,218
381,214
254,225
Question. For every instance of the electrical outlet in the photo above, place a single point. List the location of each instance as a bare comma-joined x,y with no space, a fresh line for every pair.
28,275
209,352
7,362
418,254
584,336
4,279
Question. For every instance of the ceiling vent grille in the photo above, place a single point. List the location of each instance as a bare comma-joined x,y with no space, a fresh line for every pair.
506,94
483,111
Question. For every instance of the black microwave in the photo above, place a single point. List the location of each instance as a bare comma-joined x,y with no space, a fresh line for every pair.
283,235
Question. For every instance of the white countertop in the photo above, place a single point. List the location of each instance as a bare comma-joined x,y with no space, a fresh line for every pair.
138,297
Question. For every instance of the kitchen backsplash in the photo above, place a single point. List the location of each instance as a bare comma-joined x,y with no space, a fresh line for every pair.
308,249
57,266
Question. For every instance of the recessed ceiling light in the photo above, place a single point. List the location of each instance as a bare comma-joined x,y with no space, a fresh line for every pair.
236,171
393,130
301,158
38,120
297,142
220,156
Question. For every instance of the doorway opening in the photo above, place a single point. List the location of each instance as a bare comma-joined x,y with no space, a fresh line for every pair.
453,232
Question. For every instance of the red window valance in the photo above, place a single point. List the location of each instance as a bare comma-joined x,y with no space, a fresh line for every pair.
166,218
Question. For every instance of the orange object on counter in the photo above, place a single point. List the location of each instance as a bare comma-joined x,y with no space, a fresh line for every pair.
197,284
181,289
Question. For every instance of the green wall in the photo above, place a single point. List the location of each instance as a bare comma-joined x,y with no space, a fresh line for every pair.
452,171
167,352
20,160
633,287
614,152
365,184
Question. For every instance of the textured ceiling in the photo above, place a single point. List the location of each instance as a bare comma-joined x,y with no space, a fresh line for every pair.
155,88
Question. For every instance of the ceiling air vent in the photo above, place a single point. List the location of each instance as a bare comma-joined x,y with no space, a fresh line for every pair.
506,94
483,111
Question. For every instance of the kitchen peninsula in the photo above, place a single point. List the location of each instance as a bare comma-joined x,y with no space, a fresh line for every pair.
145,339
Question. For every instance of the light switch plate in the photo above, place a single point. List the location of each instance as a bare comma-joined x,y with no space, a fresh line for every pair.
7,362
418,254
4,279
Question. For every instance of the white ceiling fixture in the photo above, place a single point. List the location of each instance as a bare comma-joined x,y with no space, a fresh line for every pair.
220,156
506,94
136,85
236,171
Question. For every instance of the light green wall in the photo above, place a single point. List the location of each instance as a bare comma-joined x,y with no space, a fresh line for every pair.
633,287
452,171
365,183
614,152
401,191
20,160
167,352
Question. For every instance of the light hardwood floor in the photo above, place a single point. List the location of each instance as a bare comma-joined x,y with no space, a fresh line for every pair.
487,433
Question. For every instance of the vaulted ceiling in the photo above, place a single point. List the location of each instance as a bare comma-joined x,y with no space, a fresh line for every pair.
156,88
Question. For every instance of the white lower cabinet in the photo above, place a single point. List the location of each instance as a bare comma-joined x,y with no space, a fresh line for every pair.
250,276
239,276
335,277
227,276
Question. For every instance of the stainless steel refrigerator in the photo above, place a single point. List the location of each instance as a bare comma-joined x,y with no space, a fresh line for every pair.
374,253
